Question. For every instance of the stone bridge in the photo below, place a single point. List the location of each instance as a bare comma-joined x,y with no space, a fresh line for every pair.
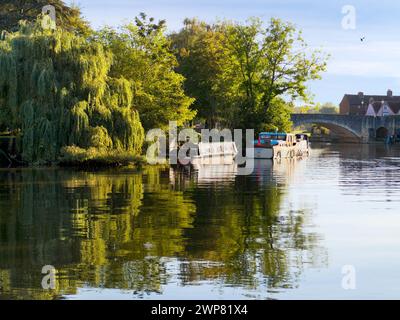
360,129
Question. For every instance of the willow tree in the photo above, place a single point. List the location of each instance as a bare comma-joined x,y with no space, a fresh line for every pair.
56,90
143,55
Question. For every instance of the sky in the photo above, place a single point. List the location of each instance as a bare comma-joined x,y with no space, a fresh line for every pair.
371,66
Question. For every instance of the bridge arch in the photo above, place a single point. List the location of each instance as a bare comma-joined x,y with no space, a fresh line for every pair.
382,133
340,126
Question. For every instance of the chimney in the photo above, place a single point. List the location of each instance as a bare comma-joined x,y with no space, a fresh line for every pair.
390,93
371,100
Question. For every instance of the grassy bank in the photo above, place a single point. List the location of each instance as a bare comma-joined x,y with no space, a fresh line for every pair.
93,157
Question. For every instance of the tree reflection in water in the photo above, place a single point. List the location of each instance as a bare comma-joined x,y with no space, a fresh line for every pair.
122,229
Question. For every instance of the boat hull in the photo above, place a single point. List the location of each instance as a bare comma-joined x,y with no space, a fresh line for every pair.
228,159
260,153
215,153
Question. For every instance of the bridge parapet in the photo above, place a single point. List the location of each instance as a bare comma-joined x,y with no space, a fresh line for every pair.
359,128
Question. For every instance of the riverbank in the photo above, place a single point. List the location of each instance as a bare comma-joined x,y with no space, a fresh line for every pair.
71,156
79,158
92,157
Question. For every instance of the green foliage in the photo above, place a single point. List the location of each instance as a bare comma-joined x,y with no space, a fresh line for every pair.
329,108
236,72
142,55
95,156
61,89
205,61
56,89
326,108
277,117
99,138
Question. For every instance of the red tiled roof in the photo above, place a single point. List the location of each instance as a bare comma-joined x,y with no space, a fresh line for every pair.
355,99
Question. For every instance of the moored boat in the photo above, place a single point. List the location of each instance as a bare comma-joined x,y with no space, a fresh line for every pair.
210,153
273,145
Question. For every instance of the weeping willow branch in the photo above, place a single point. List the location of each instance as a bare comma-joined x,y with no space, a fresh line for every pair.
56,90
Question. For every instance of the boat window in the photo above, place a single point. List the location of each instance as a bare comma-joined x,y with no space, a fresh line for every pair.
281,137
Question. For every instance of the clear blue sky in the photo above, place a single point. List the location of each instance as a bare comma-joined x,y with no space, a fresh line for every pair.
372,66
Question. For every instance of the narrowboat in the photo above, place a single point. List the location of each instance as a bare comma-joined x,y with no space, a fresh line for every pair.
274,145
210,153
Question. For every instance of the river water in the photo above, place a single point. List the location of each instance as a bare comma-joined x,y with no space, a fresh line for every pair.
325,227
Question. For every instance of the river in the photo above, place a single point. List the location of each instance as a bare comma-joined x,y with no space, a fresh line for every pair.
297,229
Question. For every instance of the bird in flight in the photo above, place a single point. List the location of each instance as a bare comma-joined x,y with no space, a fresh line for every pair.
362,39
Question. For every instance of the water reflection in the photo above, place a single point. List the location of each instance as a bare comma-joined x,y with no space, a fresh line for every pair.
152,232
367,173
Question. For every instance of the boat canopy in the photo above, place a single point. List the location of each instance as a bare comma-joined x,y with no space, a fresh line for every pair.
271,138
273,133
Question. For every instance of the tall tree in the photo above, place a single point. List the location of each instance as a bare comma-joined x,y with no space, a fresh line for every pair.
274,62
143,55
68,18
205,61
55,89
237,72
329,108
